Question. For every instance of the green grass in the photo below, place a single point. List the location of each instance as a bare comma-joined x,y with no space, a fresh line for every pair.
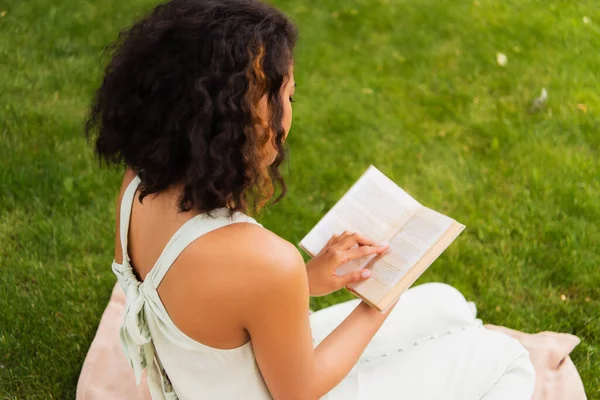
411,86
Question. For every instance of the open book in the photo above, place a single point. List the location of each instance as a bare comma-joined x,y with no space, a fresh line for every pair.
379,209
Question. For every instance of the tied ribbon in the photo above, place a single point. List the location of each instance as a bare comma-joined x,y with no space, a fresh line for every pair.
135,333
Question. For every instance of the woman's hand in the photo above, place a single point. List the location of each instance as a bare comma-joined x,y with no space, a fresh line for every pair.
340,249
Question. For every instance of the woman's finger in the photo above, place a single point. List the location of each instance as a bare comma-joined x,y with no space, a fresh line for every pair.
364,251
344,235
336,237
353,277
355,239
332,240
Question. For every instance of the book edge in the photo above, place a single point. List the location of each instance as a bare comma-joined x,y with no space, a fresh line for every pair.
419,269
363,298
305,249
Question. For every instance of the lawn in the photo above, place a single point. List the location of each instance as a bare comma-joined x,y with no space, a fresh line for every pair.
411,86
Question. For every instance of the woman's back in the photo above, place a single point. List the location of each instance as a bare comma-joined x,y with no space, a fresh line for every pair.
192,327
203,273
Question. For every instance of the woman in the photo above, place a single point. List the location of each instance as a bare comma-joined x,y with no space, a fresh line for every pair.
196,103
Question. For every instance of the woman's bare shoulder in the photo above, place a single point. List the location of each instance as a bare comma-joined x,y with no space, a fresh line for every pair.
252,246
242,262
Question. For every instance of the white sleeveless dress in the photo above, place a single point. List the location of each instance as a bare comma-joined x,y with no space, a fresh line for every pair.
430,347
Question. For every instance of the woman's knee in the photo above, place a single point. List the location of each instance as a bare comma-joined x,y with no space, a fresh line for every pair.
513,373
438,289
442,299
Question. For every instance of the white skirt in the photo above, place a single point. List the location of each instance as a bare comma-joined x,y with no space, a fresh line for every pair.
432,346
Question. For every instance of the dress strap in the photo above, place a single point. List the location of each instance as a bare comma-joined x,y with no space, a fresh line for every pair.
125,215
188,233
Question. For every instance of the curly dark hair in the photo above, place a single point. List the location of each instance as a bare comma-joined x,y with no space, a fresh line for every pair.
179,102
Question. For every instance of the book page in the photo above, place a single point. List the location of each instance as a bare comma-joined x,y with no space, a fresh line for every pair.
417,236
374,207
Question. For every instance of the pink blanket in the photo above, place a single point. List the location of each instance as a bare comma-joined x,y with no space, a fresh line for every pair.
107,375
556,377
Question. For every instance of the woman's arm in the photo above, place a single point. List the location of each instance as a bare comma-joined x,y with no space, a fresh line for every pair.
338,353
278,323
